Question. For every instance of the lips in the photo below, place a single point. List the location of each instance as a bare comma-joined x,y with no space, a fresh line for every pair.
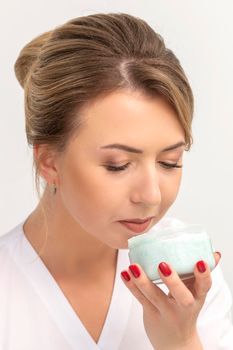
136,227
138,221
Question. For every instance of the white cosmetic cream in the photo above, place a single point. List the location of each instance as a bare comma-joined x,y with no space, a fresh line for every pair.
180,247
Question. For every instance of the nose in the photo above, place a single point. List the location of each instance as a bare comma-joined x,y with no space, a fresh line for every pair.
146,188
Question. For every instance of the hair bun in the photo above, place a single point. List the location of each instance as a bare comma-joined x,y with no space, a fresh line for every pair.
27,57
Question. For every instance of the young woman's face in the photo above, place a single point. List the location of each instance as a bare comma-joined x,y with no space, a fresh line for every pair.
101,185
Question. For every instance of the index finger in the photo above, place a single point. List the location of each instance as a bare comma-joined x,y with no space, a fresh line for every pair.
151,291
177,288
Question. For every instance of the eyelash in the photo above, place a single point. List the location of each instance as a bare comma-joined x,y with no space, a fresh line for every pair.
123,167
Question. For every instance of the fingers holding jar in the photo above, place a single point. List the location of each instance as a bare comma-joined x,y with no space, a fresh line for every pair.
184,292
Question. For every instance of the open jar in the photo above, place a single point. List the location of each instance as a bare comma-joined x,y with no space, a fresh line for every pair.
180,247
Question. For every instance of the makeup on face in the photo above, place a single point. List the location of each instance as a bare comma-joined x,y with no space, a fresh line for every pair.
112,153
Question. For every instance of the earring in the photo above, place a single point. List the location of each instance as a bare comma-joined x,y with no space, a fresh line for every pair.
54,189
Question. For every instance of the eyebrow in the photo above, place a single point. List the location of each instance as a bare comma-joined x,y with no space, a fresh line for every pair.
136,150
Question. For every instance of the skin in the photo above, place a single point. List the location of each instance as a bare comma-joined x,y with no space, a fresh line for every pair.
170,320
83,229
82,216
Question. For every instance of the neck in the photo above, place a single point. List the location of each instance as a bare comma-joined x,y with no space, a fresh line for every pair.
68,251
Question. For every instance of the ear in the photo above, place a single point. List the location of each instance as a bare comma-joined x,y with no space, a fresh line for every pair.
45,159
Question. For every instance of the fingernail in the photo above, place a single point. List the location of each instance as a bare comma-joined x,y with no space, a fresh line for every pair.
165,269
125,275
135,270
219,254
201,266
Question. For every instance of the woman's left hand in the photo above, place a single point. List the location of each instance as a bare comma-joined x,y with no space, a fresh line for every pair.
170,320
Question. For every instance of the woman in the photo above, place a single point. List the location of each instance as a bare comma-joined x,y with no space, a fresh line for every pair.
108,113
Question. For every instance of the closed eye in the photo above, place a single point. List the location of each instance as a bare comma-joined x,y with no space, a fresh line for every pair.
165,165
171,165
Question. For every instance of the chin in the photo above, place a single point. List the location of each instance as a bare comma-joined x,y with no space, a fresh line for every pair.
124,246
120,245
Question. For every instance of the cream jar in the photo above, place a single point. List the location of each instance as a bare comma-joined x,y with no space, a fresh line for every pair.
180,247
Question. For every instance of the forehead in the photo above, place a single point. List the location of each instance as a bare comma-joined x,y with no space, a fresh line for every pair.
130,117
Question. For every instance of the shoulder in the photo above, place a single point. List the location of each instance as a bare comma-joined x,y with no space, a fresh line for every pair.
214,322
9,243
219,293
10,238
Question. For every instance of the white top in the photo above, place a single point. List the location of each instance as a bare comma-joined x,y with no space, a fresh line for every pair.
35,314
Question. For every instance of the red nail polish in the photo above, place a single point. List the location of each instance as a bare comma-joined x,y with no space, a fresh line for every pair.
201,266
135,270
165,269
125,275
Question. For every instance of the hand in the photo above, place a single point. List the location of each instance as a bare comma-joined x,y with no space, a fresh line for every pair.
170,320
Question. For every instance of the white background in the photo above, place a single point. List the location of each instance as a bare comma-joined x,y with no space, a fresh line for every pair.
201,34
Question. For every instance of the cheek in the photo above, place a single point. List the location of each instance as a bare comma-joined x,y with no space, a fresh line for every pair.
86,195
170,188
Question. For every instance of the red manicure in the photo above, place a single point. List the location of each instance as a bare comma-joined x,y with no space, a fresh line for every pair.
201,266
165,269
125,275
135,270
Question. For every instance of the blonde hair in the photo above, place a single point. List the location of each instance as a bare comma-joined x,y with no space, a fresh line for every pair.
64,69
